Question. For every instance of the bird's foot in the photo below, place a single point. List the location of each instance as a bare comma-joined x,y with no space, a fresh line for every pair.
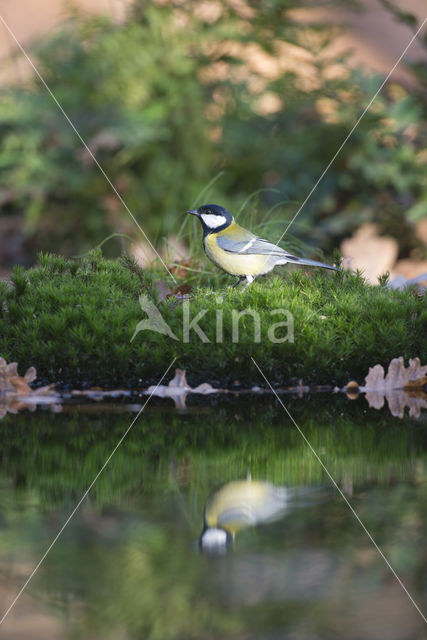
238,282
249,280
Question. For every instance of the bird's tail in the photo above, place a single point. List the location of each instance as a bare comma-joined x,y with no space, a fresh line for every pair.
309,263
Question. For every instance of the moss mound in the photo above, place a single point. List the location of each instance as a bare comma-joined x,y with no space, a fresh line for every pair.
74,321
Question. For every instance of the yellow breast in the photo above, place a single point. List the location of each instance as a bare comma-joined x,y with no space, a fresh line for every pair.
236,505
234,263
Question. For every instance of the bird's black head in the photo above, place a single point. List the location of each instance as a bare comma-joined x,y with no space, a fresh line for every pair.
215,541
213,217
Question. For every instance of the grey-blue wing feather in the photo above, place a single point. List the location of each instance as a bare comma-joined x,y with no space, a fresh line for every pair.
252,245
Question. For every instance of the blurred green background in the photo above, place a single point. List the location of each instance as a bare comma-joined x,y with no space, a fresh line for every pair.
241,104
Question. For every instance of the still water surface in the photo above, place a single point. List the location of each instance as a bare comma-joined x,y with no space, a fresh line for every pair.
287,559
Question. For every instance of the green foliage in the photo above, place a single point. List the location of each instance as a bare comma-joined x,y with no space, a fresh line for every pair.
384,279
19,280
74,321
379,175
170,97
3,294
132,93
132,265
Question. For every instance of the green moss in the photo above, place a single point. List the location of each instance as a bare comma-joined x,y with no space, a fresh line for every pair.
74,321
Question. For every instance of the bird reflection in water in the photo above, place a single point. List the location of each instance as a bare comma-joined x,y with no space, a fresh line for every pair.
241,504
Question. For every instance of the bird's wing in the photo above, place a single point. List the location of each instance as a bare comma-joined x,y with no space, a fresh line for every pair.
250,245
237,240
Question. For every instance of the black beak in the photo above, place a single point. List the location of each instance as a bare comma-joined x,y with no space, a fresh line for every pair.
193,212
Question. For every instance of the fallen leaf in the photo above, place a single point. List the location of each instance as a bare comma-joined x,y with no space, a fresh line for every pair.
178,389
398,377
15,392
180,269
181,291
400,282
398,400
300,389
11,382
20,384
372,254
401,387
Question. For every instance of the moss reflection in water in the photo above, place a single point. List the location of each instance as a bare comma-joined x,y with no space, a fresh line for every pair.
59,455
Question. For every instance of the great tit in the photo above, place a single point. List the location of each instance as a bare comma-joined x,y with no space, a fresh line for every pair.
238,505
238,251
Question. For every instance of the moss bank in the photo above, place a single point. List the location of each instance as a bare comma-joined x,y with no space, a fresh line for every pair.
74,321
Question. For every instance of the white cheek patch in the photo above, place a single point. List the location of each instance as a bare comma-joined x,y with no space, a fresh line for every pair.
213,221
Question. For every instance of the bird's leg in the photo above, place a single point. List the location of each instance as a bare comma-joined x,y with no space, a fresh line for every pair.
238,281
249,280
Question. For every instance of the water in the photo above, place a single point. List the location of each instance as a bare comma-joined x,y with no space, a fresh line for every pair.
130,565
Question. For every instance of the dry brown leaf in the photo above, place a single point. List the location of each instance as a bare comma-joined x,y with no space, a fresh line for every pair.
369,252
401,387
11,382
178,388
183,290
398,377
15,392
180,269
20,385
397,400
9,405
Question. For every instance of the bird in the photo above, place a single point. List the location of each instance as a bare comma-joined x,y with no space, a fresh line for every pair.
238,505
239,252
